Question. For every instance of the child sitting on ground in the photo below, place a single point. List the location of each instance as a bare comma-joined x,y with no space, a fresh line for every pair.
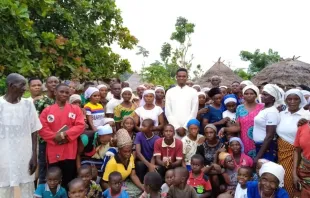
92,188
77,189
152,183
180,188
52,187
245,174
169,178
197,179
115,190
229,172
145,149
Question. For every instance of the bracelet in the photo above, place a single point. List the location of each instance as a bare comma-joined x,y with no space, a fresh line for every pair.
62,135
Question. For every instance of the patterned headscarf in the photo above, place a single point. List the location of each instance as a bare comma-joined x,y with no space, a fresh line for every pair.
123,138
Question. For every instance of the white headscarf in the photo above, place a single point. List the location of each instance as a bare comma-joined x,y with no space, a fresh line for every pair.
196,86
148,91
126,89
254,88
90,91
223,87
159,88
297,92
141,86
74,97
305,93
201,93
274,169
246,82
100,86
274,91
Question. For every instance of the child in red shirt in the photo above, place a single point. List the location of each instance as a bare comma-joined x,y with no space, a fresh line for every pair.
197,179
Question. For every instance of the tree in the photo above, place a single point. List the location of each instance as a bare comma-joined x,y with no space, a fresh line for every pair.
258,60
69,39
142,51
198,72
243,74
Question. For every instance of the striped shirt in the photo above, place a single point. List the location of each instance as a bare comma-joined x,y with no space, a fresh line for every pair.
97,113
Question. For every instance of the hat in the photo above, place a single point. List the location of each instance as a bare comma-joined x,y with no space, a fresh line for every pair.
123,138
74,98
212,126
104,130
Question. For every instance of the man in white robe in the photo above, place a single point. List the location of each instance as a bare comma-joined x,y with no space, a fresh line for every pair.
181,104
19,124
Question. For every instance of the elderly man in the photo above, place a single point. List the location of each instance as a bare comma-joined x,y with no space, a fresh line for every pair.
215,81
19,124
181,104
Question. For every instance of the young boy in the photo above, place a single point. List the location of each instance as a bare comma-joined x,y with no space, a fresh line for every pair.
52,187
115,190
244,175
168,151
169,177
77,188
180,188
197,179
152,183
92,188
145,149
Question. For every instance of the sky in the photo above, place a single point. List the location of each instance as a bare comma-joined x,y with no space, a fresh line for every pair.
223,28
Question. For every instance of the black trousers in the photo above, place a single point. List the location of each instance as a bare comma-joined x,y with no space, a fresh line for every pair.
42,162
68,169
141,170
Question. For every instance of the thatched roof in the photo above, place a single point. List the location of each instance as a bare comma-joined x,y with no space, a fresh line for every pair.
218,69
285,73
134,81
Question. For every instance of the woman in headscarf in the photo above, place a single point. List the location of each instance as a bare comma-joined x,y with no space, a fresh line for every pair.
265,125
197,87
160,97
287,129
103,89
245,83
301,166
245,114
123,162
237,152
270,184
148,109
126,108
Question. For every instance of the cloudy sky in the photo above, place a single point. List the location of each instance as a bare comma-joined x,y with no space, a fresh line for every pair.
223,28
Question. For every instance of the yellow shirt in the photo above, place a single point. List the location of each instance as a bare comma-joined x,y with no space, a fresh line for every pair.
114,164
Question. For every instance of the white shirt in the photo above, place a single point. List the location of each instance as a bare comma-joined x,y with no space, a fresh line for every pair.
17,123
149,114
287,127
240,192
181,106
109,96
228,114
112,104
266,117
190,148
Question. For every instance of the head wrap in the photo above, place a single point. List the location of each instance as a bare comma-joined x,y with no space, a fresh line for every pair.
222,157
246,83
212,126
263,161
141,86
104,130
254,88
223,87
193,122
123,138
149,91
74,97
196,86
202,93
214,91
126,118
205,89
90,91
160,88
126,89
305,93
274,169
101,86
230,98
297,92
275,92
238,140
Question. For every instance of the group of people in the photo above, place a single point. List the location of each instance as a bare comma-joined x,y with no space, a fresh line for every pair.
187,141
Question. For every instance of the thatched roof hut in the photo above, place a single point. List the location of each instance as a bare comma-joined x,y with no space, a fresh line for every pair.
218,69
134,81
286,73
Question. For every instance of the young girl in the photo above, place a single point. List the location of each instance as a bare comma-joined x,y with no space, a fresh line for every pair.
94,110
245,174
191,141
103,89
201,109
126,108
237,152
229,173
230,102
129,125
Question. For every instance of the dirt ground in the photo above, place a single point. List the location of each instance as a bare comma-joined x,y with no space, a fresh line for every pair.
16,192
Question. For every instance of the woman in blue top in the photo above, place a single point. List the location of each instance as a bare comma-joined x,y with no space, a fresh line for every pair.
270,183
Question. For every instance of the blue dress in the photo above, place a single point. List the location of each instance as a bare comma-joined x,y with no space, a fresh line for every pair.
253,192
214,115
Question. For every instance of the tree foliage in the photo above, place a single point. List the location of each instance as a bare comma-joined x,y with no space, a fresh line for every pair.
243,74
198,72
69,39
259,60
